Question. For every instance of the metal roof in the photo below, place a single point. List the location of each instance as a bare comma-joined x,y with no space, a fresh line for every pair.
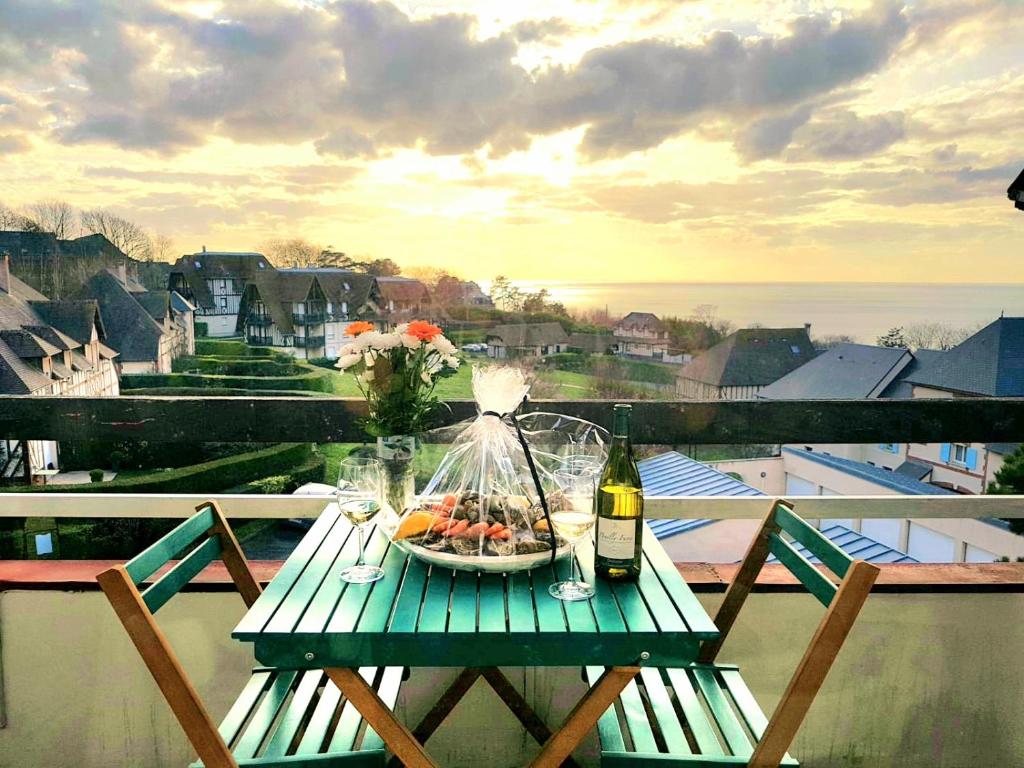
856,545
843,372
895,481
673,474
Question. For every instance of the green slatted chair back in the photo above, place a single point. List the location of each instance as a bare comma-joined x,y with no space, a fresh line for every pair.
781,528
203,538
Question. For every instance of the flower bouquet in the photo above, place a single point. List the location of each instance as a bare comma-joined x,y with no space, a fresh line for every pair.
397,373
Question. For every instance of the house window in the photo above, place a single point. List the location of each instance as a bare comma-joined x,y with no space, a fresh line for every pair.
344,307
889,447
223,302
959,453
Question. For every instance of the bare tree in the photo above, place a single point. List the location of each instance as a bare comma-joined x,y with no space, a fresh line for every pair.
12,221
163,249
832,339
292,252
935,335
56,216
132,240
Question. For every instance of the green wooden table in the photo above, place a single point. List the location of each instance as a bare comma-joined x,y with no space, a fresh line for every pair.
419,616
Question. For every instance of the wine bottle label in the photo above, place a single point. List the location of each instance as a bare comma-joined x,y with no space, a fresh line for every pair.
616,539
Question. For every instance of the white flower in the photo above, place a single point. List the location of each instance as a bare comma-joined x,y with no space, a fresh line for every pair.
442,345
410,342
370,339
426,377
367,376
347,361
389,341
348,349
401,328
453,362
369,357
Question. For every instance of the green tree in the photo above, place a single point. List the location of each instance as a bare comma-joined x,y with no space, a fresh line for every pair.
893,339
1010,480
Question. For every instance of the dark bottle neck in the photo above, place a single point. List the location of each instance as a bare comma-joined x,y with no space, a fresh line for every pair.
620,429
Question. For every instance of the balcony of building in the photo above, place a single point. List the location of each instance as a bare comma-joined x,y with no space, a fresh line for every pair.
928,678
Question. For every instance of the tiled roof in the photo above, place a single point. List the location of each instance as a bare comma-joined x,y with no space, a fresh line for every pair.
26,344
16,376
278,290
128,326
1003,449
74,317
991,362
673,474
893,480
404,289
529,334
52,335
751,357
914,469
156,303
846,371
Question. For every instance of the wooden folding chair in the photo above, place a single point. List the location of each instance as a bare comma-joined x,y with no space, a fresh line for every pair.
294,718
704,715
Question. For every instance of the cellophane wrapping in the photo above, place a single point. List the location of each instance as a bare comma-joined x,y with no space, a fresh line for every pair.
481,509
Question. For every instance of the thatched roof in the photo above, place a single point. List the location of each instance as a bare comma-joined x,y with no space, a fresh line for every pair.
529,334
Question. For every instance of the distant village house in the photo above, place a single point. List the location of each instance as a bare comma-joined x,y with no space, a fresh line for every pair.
744,362
214,281
526,340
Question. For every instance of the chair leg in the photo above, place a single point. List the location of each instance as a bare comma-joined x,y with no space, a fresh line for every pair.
380,717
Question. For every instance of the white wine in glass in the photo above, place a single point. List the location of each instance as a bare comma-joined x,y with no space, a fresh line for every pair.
572,523
360,485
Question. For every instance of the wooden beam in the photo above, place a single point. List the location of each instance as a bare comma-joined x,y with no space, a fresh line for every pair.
682,422
584,716
380,717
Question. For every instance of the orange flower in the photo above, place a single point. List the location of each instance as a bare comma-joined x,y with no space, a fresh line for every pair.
423,330
354,329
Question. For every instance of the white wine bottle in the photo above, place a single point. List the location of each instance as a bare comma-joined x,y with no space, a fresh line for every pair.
620,508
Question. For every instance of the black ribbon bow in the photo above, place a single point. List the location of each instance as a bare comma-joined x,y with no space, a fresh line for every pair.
511,418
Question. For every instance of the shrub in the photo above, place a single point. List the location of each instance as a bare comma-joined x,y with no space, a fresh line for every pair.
310,378
207,477
117,459
95,475
229,348
310,471
270,485
236,366
201,329
220,392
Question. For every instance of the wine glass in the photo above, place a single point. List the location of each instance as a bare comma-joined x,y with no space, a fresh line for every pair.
360,486
572,522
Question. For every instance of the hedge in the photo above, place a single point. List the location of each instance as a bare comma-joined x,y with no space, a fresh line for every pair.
310,471
236,366
231,348
220,392
208,477
311,379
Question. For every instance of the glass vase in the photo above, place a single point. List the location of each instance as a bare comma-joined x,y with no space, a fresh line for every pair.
397,454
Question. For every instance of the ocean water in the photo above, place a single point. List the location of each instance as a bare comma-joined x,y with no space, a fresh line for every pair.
862,310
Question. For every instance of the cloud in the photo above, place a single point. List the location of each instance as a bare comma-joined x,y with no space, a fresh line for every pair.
12,144
637,94
768,136
843,135
357,77
541,30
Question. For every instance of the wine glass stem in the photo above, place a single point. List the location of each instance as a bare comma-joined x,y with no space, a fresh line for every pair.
573,575
359,530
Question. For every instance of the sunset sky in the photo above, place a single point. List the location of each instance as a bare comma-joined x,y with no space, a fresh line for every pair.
603,140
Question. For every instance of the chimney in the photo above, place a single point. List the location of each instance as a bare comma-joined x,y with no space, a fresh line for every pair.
204,249
5,273
807,327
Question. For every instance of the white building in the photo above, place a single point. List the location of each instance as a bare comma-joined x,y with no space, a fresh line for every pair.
214,281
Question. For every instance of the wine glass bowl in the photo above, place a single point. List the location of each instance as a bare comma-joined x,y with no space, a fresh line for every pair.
572,521
359,493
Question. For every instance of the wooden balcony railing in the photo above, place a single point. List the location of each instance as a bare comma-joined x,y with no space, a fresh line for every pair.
679,422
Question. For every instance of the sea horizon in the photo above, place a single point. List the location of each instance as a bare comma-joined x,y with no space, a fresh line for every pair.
863,310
